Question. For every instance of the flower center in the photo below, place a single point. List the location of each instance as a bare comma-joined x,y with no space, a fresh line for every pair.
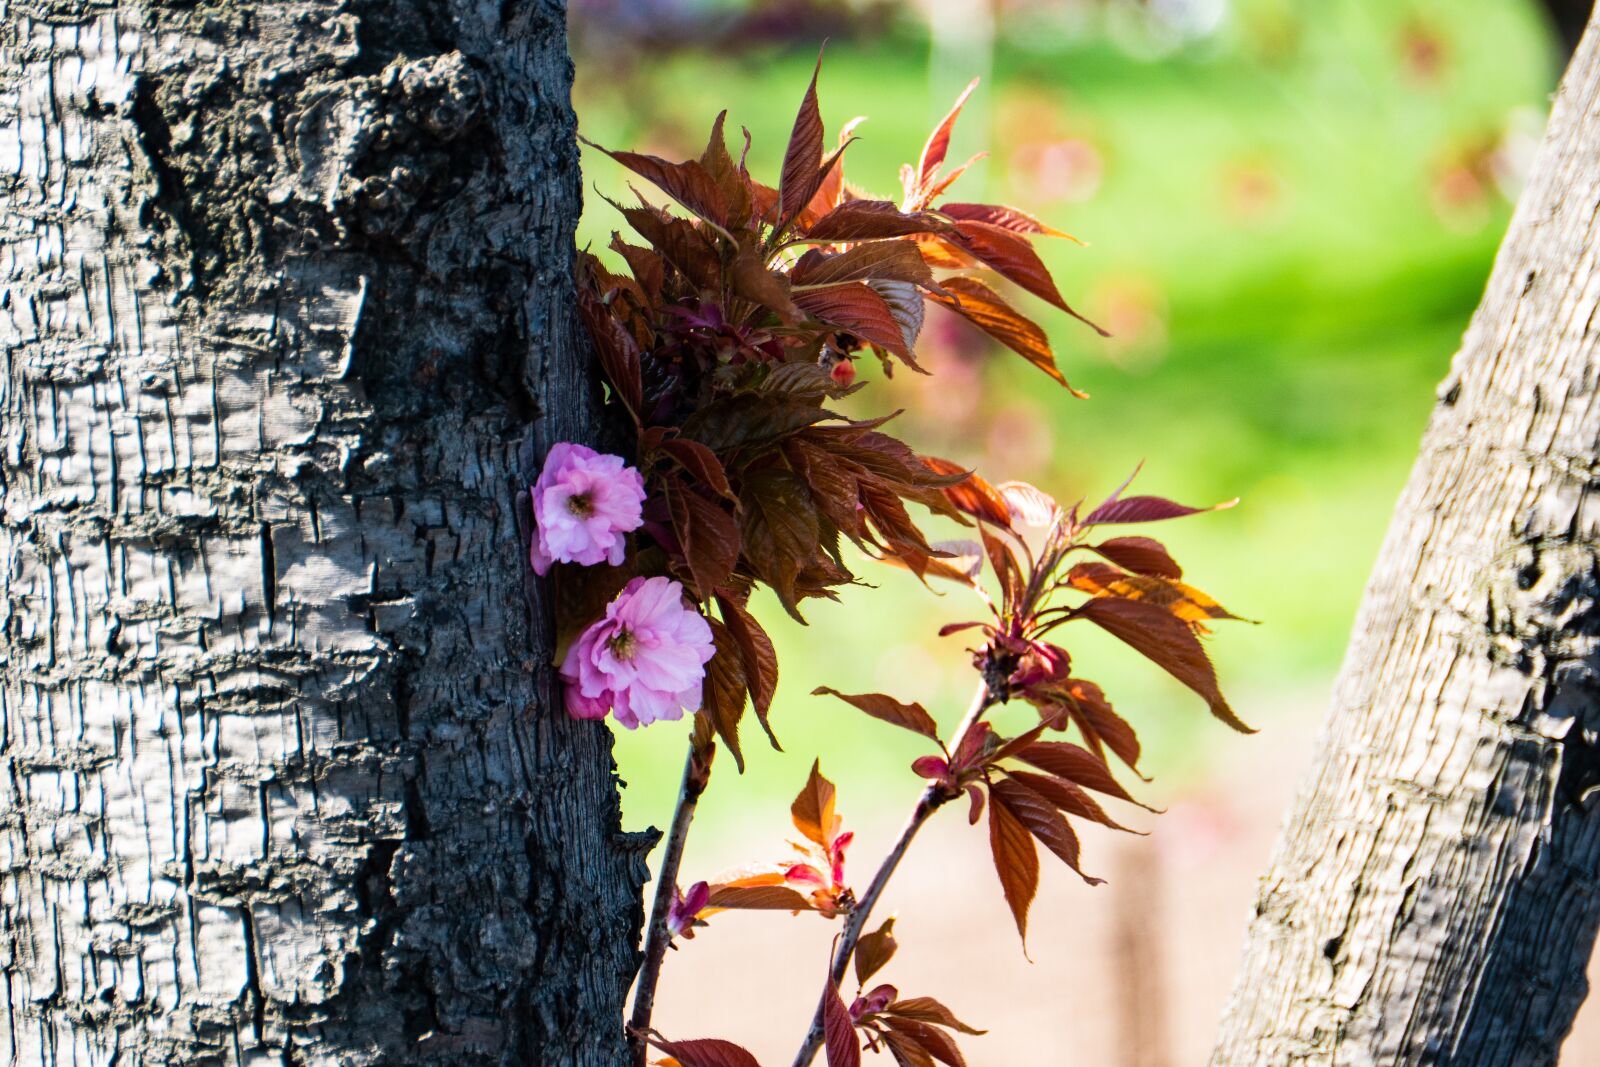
623,646
581,505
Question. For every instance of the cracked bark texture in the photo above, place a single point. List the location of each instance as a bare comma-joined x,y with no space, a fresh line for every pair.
1434,896
283,779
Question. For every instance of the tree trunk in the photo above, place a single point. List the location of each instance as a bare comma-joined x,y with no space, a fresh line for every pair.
1435,894
283,779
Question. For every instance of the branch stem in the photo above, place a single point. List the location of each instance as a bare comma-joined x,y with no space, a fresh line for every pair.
657,937
929,802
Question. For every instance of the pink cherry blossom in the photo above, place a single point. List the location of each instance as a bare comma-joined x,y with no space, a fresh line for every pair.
583,504
644,660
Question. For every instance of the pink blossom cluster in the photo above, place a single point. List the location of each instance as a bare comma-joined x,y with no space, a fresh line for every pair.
643,661
584,505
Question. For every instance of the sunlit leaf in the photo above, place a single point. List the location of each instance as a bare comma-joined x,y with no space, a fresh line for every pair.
1041,819
802,159
870,220
938,143
1075,764
1013,257
985,309
839,1032
859,309
1146,509
1166,641
1015,861
1007,218
971,495
1141,555
874,950
928,1010
892,260
812,811
757,898
688,182
1068,797
913,717
707,1052
929,1038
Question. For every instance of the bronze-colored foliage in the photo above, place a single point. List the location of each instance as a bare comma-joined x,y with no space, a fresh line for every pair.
718,341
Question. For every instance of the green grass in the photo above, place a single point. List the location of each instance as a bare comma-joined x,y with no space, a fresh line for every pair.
1294,366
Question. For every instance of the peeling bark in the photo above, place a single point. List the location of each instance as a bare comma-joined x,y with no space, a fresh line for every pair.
283,779
1435,895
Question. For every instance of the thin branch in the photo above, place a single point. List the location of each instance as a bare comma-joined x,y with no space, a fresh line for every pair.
696,770
931,800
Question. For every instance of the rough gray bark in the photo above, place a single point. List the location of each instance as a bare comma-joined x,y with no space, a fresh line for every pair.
1435,895
282,779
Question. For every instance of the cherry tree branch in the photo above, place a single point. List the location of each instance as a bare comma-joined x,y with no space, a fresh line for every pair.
696,772
931,800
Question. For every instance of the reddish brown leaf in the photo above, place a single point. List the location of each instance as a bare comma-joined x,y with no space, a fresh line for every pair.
913,717
708,535
716,162
1015,861
1183,601
757,656
1141,555
839,1032
781,532
893,260
938,144
617,351
707,1052
1078,765
1004,563
833,483
757,898
812,811
985,309
700,462
1145,509
928,1010
1068,797
688,183
1042,821
1166,641
929,1038
874,950
802,159
972,495
1099,722
723,691
648,268
859,309
906,1051
1029,505
680,242
752,280
871,220
1010,254
907,306
747,418
1007,218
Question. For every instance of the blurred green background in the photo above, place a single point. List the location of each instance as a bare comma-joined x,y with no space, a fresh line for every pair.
1290,210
